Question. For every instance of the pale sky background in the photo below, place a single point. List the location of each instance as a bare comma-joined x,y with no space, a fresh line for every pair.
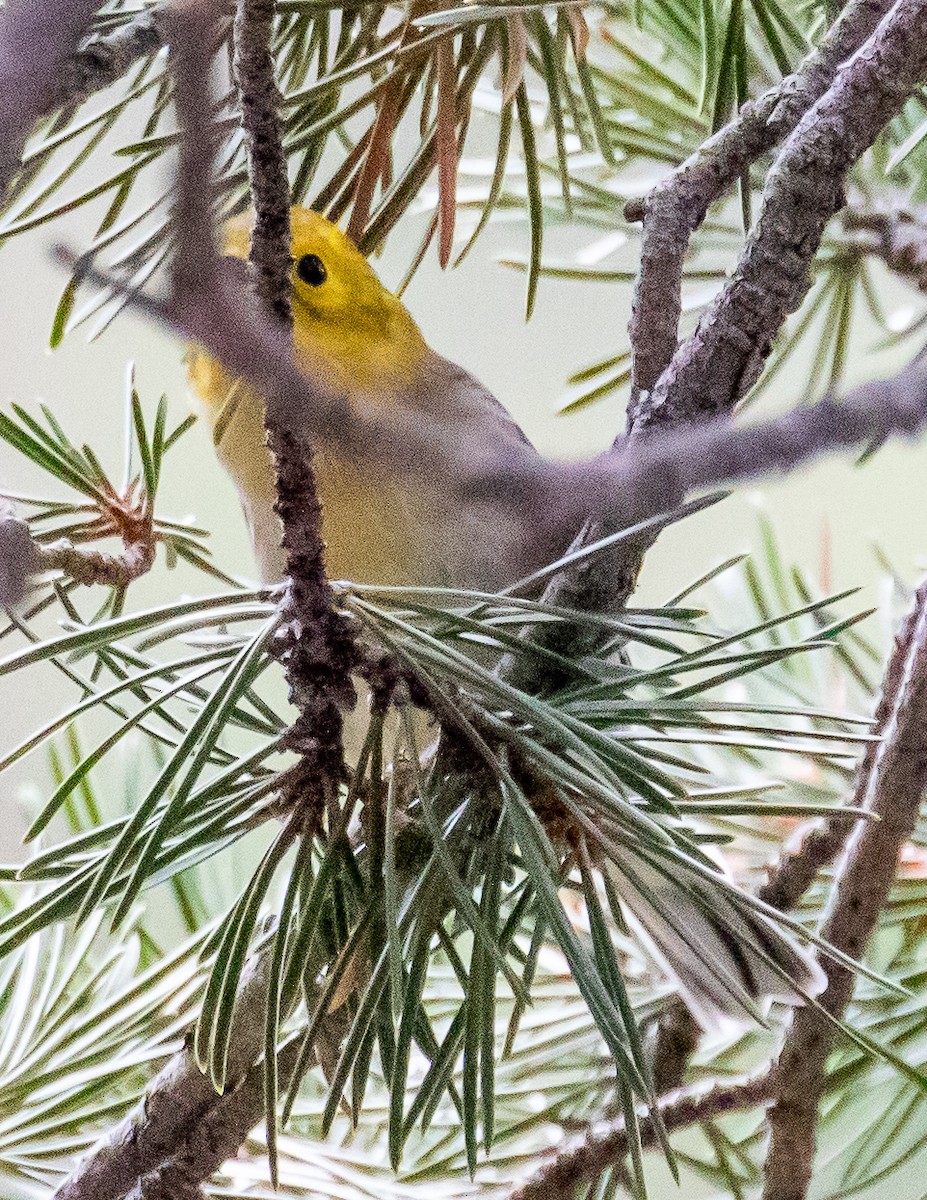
475,316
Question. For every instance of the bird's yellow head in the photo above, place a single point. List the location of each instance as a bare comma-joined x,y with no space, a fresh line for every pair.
345,322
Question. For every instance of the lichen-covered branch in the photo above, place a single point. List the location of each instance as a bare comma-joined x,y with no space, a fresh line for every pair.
676,208
890,784
561,1178
716,366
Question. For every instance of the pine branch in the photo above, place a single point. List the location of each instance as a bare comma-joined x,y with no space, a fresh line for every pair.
676,208
890,784
721,360
584,1163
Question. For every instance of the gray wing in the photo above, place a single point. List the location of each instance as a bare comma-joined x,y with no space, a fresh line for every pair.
481,542
449,393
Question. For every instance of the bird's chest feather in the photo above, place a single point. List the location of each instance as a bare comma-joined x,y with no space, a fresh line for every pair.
377,529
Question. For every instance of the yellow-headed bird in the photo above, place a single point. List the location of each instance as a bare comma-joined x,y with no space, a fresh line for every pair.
354,336
359,340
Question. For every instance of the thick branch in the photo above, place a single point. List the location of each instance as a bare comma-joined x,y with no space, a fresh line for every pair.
890,784
178,1101
676,208
38,39
715,367
671,214
560,1179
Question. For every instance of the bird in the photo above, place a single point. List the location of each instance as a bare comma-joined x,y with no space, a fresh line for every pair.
356,338
359,340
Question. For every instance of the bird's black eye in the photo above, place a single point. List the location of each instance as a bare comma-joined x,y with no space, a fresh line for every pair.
311,270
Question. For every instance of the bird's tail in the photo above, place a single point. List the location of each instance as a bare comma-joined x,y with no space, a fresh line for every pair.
728,959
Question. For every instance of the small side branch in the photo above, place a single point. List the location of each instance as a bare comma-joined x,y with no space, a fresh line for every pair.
43,65
890,784
796,871
103,59
95,566
716,366
602,1148
22,557
896,235
37,40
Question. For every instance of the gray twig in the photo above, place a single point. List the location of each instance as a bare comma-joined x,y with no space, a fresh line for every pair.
890,784
315,646
605,1146
795,872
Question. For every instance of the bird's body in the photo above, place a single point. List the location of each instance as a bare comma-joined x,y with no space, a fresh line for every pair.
358,340
383,527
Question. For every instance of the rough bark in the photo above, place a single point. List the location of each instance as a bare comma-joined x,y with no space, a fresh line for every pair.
890,784
723,358
675,209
